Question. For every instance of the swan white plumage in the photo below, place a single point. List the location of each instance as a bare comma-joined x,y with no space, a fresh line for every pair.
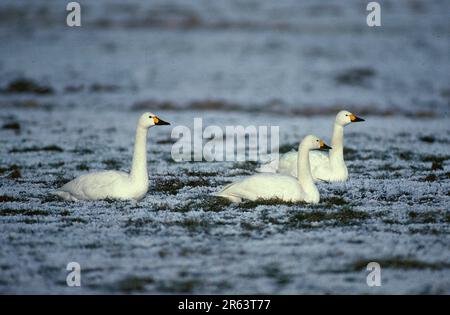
284,187
324,167
114,184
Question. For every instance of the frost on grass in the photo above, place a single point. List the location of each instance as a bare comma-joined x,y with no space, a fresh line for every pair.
182,239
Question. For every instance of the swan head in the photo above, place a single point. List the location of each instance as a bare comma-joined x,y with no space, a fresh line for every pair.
344,118
314,143
148,120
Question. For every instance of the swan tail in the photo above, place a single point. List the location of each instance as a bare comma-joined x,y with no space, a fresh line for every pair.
225,193
63,194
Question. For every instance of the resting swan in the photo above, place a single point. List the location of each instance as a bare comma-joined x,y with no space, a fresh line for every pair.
114,184
284,187
324,167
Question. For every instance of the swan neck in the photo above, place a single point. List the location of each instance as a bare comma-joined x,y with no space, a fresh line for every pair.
337,144
304,170
139,164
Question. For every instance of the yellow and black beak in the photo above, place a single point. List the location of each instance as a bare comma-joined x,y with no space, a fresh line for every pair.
324,146
159,122
354,118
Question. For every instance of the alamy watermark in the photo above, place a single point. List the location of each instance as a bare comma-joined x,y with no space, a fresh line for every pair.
74,15
374,277
73,279
374,17
231,143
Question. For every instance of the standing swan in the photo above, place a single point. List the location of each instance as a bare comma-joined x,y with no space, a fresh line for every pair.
114,184
330,168
284,187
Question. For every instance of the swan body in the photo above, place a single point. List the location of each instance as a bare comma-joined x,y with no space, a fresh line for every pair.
103,185
264,186
283,187
326,167
321,167
115,184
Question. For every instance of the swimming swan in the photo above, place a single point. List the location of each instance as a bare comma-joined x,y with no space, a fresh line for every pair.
284,187
324,167
114,184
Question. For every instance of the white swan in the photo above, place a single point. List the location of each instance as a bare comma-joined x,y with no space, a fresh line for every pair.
114,184
324,167
284,187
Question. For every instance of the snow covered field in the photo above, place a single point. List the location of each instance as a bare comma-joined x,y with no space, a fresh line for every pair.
255,63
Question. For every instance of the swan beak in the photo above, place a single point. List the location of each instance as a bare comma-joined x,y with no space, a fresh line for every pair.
324,146
159,122
354,118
